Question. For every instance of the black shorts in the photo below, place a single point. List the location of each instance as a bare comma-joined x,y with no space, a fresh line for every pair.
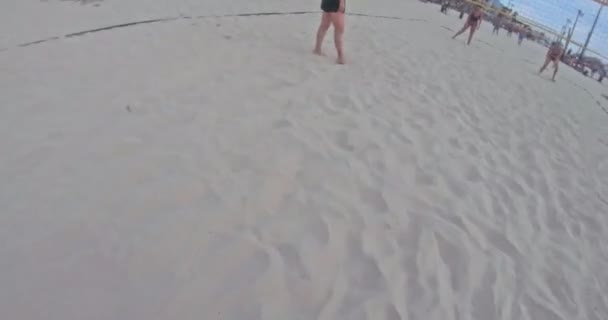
330,5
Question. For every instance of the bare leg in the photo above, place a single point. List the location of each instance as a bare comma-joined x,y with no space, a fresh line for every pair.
555,67
338,21
461,31
471,34
325,23
547,60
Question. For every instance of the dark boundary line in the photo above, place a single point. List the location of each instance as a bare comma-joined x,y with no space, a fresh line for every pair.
150,21
27,44
81,33
116,26
265,14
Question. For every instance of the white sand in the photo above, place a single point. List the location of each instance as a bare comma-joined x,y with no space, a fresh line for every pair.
215,169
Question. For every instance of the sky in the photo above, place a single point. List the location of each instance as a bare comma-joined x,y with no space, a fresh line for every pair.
554,13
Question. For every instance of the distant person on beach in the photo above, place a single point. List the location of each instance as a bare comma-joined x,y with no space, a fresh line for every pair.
462,9
553,55
333,14
497,22
444,7
473,23
522,35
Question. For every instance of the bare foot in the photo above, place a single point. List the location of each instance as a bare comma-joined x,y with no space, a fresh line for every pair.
318,52
340,60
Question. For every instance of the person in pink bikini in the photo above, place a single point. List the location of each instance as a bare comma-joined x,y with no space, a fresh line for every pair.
553,55
473,23
333,14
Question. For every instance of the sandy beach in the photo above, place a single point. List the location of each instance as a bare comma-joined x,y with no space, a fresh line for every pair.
204,164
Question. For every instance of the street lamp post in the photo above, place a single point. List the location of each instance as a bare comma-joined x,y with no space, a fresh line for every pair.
565,28
592,29
571,33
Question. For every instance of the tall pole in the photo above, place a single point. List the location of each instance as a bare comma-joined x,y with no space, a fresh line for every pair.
565,28
571,33
591,31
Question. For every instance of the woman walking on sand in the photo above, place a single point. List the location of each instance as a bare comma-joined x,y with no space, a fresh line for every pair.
553,55
473,23
333,14
522,35
497,22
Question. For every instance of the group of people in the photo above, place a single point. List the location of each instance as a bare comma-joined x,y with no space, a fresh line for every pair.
524,32
333,14
473,23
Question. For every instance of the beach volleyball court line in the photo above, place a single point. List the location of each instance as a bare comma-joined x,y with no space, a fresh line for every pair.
116,26
27,44
182,17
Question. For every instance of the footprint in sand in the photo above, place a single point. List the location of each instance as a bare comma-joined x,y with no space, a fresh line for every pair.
489,159
424,179
472,150
391,313
363,272
373,198
503,244
514,186
536,310
456,261
281,123
562,292
565,202
455,143
484,305
472,174
342,141
455,185
291,258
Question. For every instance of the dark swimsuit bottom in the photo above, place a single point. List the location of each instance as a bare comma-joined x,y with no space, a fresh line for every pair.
473,20
330,5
